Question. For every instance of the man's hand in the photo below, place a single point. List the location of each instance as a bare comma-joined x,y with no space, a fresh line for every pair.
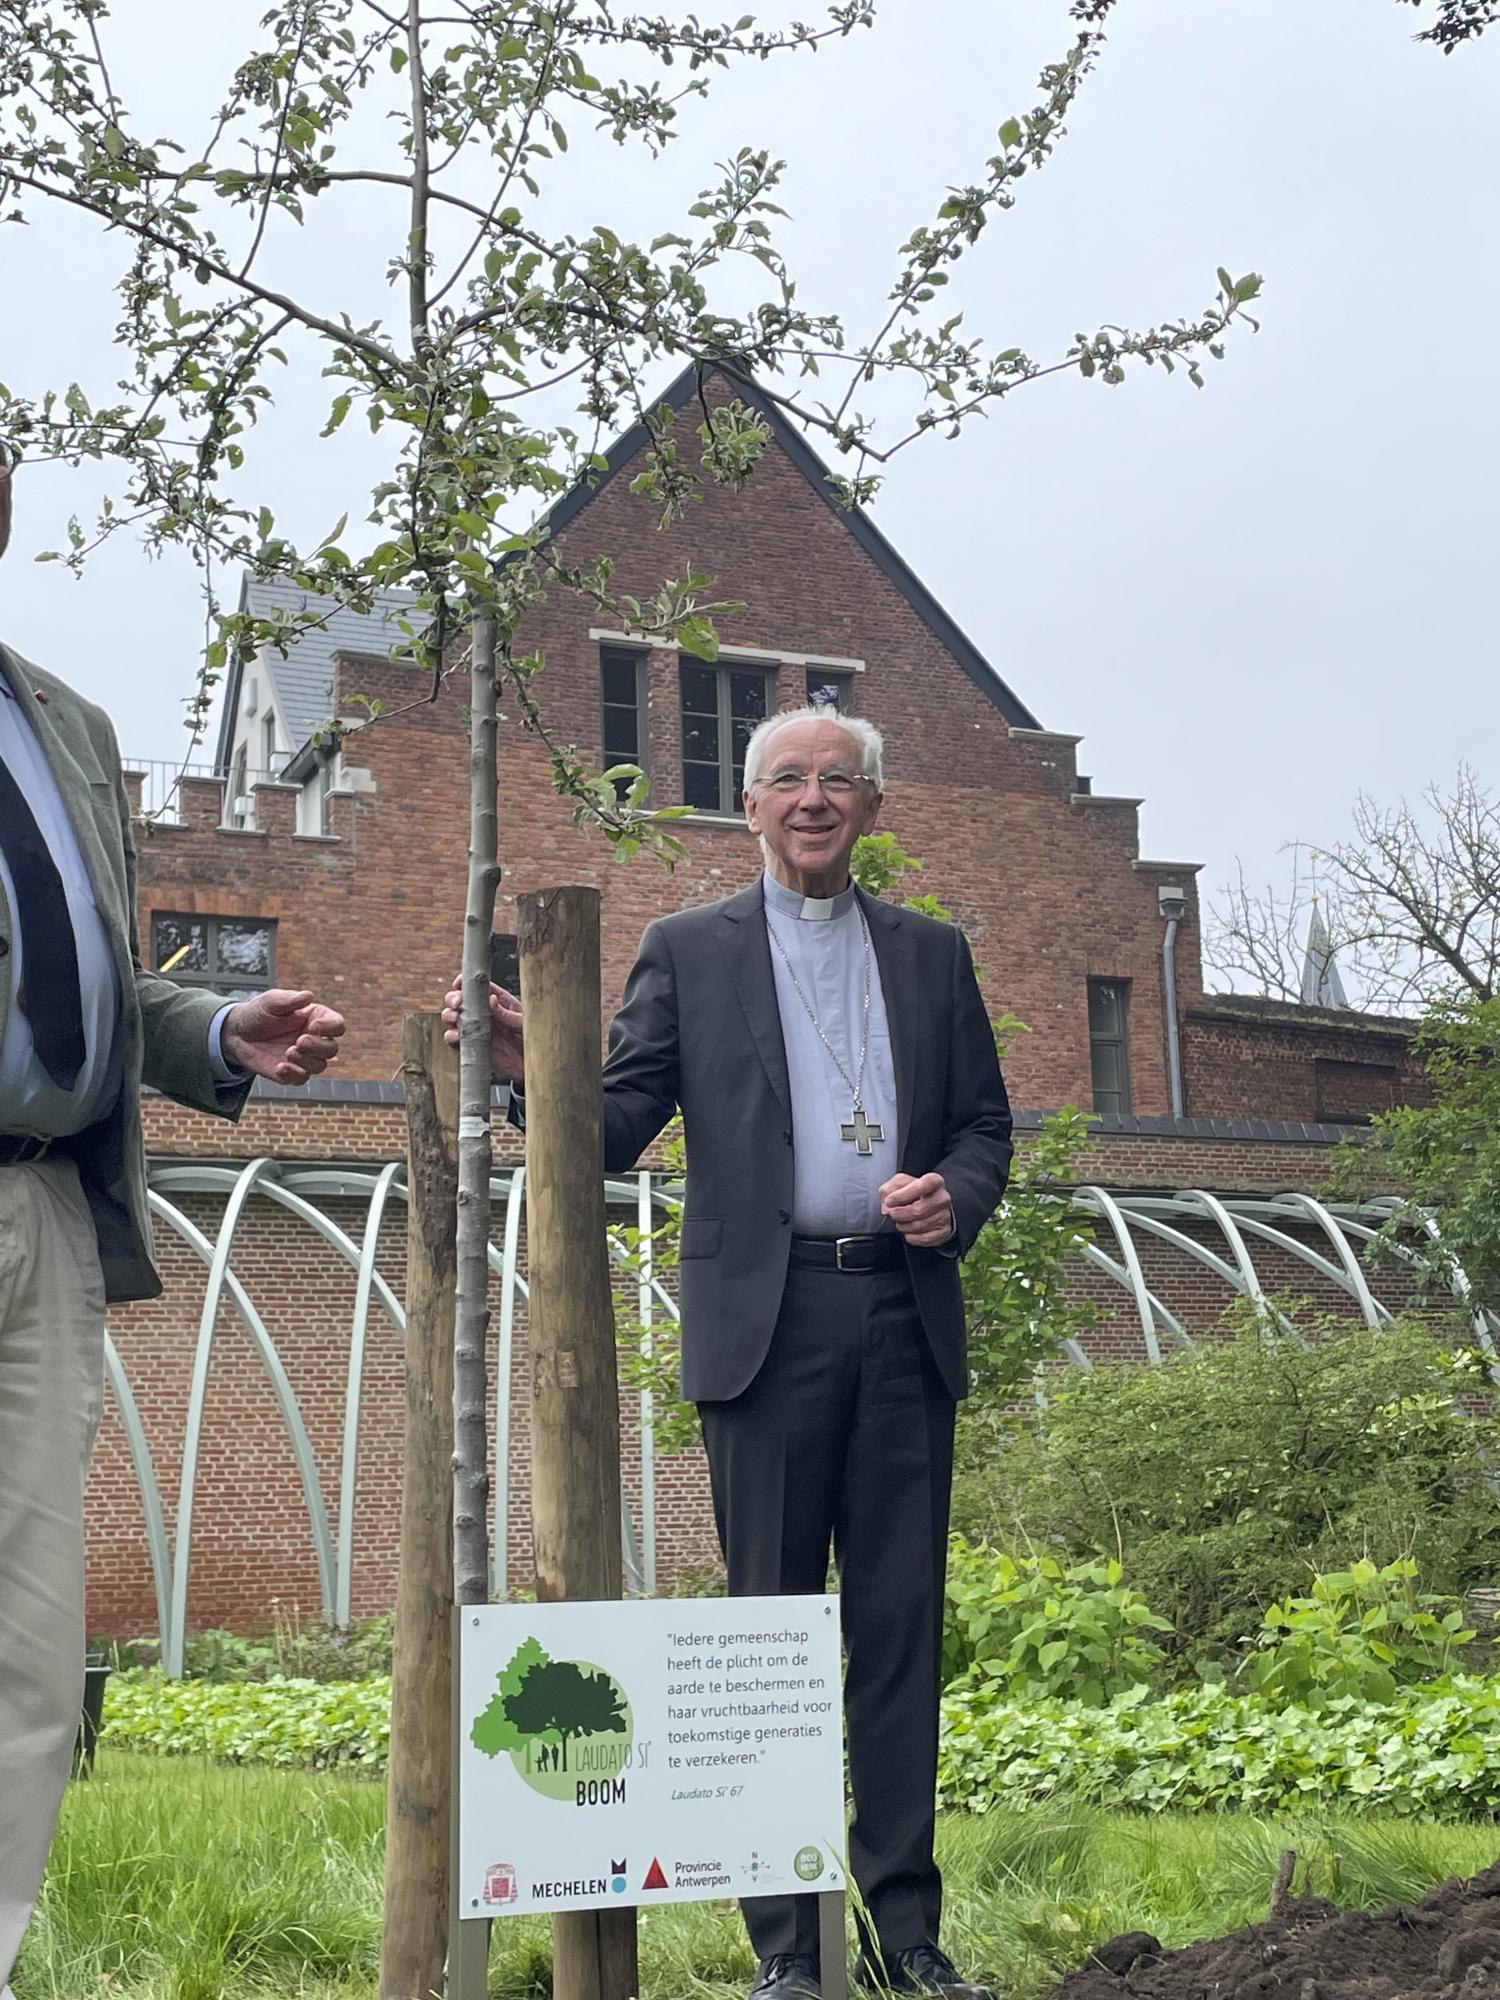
507,1037
921,1208
285,1036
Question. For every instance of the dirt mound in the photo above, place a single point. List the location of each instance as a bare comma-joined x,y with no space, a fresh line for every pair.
1307,1949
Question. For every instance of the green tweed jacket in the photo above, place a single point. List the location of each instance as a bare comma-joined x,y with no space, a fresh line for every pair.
163,1028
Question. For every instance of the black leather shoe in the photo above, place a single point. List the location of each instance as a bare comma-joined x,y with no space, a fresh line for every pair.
789,1975
920,1969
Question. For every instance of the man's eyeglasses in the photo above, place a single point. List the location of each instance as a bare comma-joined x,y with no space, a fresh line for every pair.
832,783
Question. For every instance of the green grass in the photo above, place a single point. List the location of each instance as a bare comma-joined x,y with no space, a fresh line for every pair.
174,1880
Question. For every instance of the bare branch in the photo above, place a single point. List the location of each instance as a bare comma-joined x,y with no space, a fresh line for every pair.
1411,905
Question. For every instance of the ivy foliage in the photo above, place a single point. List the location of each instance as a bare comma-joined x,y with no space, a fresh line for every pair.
1431,1753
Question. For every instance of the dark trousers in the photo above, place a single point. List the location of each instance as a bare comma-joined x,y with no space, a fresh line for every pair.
846,1436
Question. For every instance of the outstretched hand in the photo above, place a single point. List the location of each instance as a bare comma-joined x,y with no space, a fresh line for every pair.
285,1036
507,1037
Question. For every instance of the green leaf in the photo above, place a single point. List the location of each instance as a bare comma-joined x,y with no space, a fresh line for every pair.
697,635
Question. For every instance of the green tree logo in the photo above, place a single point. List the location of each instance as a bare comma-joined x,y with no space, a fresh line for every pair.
562,1722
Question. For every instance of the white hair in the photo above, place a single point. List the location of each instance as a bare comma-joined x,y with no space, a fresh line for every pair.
865,734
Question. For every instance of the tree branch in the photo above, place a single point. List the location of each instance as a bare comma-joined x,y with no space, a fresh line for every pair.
385,359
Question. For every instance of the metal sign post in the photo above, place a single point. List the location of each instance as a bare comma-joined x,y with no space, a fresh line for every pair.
468,1929
832,1949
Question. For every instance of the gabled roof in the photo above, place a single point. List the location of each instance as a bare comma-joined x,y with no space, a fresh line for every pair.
854,520
300,681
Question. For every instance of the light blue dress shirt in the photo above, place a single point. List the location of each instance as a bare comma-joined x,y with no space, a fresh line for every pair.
30,1101
836,1187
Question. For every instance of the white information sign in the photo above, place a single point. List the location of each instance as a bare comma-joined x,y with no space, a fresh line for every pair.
660,1750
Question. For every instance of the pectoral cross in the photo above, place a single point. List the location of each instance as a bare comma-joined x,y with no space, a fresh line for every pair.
860,1133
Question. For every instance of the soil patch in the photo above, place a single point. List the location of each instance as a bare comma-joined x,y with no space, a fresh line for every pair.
1307,1949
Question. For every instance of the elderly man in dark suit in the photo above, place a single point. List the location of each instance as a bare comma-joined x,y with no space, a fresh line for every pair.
82,1024
847,1137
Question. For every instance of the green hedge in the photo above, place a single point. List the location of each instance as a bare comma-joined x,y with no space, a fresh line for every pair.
312,1725
1433,1753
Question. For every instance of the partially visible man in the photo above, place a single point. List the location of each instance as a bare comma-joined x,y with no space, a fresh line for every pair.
848,1136
82,1026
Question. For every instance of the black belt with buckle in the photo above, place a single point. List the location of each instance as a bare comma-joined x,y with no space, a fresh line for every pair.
16,1148
853,1254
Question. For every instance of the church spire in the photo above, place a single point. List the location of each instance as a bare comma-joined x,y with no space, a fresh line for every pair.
1322,985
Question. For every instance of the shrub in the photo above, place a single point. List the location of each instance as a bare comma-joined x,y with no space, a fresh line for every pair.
1362,1632
291,1651
1075,1632
1431,1753
1228,1477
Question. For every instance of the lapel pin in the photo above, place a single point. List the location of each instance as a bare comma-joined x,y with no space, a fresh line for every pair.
40,696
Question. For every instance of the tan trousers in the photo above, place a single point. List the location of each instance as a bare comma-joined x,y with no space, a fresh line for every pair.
51,1391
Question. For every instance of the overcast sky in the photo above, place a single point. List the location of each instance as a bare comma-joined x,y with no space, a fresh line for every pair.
1252,602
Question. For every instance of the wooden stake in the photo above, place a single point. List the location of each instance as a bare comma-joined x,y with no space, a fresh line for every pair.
575,1410
414,1931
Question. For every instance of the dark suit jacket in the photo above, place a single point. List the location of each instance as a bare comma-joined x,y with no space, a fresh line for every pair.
700,1028
163,1027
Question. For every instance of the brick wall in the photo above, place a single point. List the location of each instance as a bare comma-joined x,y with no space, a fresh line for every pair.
1248,1057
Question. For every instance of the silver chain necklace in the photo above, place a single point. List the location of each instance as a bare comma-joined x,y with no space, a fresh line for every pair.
858,1131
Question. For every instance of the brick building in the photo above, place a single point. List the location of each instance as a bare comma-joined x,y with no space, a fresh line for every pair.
344,870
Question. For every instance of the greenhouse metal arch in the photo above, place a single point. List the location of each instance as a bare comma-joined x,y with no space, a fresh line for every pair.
1117,1225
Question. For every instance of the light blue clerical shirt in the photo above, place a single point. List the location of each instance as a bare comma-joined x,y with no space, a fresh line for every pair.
837,1188
30,1101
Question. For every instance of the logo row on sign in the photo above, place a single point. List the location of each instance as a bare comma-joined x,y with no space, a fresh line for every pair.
501,1887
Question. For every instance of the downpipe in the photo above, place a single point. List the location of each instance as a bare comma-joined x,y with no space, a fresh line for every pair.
1173,906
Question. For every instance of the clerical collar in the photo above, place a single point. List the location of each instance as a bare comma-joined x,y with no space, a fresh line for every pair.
811,909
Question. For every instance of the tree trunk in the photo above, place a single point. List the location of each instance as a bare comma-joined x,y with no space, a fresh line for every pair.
414,1930
469,1941
575,1409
